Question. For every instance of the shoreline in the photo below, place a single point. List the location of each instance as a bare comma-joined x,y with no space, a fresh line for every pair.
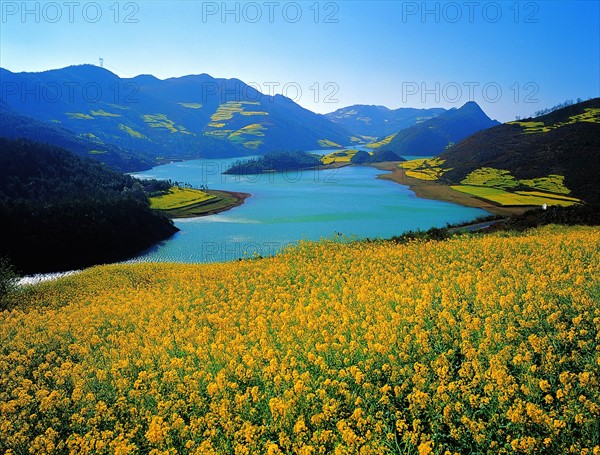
427,189
228,200
225,200
37,278
424,189
240,198
321,167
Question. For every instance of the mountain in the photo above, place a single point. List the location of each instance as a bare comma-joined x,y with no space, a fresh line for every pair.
565,143
379,121
61,212
177,118
432,136
15,125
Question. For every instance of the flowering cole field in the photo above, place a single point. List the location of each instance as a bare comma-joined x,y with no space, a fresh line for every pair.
478,344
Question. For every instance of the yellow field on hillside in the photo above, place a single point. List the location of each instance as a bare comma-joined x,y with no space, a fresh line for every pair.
553,183
424,168
491,177
162,121
341,156
178,197
589,115
191,105
326,143
478,344
131,131
385,141
227,110
508,198
549,195
79,116
103,113
254,129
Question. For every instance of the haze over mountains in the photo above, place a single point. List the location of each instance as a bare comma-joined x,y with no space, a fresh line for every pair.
135,123
432,136
379,121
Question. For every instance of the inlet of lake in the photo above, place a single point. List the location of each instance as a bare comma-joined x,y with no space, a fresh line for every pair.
349,202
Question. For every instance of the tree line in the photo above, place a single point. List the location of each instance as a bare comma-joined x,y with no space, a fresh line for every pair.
59,211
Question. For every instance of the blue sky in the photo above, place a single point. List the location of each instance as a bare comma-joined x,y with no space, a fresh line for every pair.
513,58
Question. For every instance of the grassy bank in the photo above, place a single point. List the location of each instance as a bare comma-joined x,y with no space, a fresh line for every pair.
189,202
429,189
495,190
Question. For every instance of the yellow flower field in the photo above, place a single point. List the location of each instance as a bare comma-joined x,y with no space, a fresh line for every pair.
478,344
424,168
178,197
507,198
341,156
385,141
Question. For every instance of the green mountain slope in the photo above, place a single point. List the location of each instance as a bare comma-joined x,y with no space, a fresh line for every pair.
379,121
15,125
564,143
177,118
60,211
434,135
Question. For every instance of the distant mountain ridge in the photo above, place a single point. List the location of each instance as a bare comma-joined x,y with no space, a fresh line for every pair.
135,123
565,142
379,121
178,118
433,136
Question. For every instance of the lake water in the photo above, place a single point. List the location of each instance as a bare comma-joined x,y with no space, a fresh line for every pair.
287,207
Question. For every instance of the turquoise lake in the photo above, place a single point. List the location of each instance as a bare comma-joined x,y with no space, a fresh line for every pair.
288,207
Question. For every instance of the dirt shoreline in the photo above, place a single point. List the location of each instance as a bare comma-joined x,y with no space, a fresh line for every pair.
423,188
239,197
427,189
226,200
